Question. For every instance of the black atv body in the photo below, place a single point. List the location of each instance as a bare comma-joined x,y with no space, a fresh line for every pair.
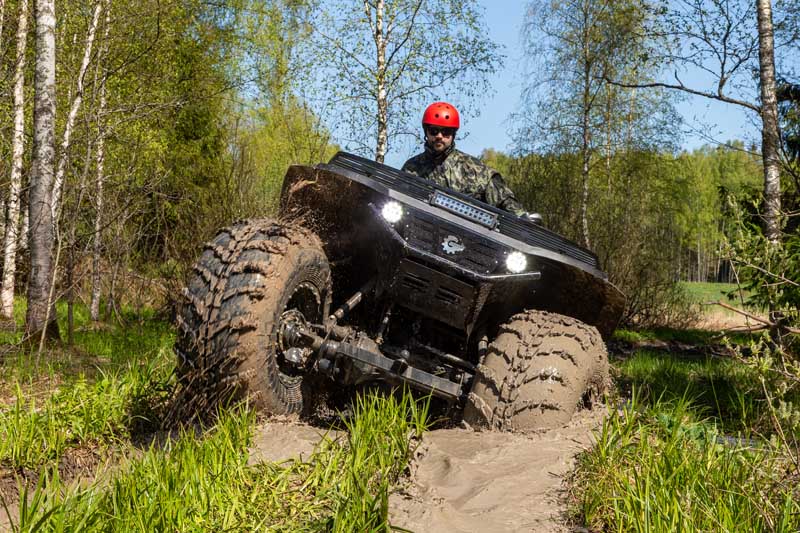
404,282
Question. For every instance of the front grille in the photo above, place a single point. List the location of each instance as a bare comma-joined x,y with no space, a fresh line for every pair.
432,293
429,235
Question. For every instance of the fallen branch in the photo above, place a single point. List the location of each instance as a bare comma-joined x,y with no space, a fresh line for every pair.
789,329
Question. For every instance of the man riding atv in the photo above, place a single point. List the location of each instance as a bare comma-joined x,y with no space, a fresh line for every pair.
375,276
451,168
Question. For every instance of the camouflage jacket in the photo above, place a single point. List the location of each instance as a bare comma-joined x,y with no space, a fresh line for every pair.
467,174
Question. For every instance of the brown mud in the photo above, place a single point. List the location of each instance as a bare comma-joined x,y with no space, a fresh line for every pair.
463,480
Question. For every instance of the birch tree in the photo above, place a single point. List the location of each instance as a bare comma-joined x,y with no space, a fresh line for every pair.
17,153
770,136
568,107
728,41
41,314
77,100
2,19
381,61
100,159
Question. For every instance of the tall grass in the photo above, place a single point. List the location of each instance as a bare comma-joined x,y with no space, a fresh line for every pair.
201,482
722,389
662,468
107,409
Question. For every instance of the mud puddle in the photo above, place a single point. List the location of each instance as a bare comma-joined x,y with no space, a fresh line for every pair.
468,481
276,441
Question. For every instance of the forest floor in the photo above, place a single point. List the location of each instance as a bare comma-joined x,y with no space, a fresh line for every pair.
80,442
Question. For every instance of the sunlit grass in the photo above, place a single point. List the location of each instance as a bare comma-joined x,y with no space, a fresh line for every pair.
97,349
202,482
720,388
35,432
665,468
113,383
687,336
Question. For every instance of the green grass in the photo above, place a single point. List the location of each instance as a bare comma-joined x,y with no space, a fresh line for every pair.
701,292
723,390
98,350
201,482
730,293
686,336
662,468
695,447
109,385
98,412
113,383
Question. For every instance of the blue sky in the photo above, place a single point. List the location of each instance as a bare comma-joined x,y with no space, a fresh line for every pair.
714,120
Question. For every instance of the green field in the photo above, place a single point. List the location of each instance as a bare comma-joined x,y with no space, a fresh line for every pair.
703,293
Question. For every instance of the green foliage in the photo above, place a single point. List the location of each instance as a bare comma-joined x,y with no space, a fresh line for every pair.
202,482
663,468
655,218
768,271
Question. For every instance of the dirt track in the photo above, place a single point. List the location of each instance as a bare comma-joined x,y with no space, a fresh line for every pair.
462,480
466,481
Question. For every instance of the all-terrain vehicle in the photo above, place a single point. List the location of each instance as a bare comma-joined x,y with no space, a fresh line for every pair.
374,275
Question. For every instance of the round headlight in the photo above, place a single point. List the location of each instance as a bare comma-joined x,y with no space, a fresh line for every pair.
516,262
392,212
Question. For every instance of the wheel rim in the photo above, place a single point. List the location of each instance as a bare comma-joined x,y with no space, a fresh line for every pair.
304,306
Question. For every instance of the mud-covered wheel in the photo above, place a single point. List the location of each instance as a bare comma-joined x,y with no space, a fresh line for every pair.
536,372
250,280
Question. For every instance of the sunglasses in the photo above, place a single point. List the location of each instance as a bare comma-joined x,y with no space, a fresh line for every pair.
433,131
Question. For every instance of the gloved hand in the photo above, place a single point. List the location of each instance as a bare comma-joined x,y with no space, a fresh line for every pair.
536,218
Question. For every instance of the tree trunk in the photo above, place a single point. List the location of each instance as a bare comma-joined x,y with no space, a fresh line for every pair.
97,244
585,182
70,296
24,202
770,136
41,315
73,112
585,124
2,19
18,152
383,105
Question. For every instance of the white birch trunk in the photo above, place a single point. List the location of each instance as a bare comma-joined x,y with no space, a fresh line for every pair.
73,112
383,105
17,154
41,311
770,136
97,244
2,19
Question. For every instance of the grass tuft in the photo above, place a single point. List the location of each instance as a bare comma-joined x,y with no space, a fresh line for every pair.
202,482
33,433
664,468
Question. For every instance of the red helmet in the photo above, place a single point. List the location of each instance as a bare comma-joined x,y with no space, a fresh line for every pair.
441,114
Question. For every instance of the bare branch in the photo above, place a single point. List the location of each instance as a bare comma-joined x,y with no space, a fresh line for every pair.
681,87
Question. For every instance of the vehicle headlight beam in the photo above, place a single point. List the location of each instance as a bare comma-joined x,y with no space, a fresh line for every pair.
392,212
516,262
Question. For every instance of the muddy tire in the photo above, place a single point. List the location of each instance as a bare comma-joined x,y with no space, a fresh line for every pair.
245,281
536,372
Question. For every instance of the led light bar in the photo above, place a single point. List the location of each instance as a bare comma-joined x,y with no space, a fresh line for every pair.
463,209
